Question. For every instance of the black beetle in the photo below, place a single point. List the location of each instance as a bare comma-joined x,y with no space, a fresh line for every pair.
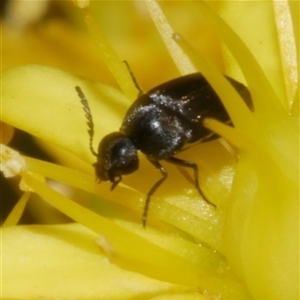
159,124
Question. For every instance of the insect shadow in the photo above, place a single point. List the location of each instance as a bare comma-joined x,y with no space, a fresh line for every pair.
159,124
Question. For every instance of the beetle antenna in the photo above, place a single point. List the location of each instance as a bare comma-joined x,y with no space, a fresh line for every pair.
141,92
88,116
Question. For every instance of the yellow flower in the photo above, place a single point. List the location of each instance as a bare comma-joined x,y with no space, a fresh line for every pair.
246,249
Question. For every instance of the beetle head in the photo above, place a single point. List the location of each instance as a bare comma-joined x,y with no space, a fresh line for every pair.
117,156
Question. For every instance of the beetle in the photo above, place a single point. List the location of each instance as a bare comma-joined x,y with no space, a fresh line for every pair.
160,123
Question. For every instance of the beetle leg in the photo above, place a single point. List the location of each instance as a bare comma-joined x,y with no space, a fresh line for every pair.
194,166
141,92
115,183
164,174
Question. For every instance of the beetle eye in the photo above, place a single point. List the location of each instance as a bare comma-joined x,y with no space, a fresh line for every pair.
116,156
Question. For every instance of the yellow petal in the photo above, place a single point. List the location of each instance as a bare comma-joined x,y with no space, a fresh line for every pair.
64,262
43,101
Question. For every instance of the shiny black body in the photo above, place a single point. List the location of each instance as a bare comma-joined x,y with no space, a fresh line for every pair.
159,124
